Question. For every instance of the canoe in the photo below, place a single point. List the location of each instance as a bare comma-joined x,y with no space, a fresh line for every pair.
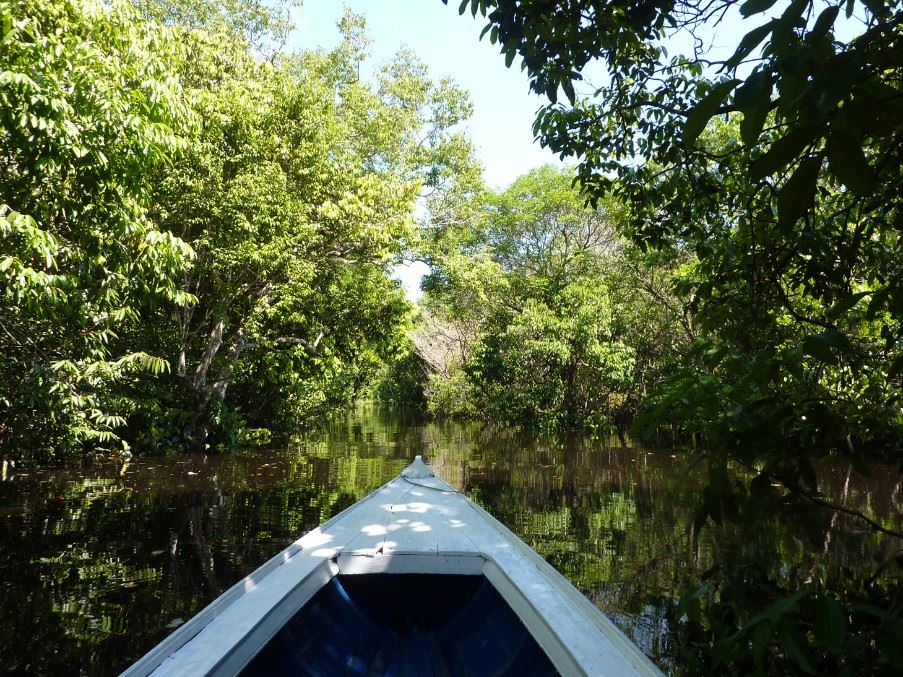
414,579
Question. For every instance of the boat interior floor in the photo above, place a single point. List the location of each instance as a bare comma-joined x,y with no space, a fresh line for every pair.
403,625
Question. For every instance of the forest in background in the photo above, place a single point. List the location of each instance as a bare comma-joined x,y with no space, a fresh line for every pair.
198,232
537,312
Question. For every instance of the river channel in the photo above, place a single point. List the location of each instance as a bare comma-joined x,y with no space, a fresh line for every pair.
99,562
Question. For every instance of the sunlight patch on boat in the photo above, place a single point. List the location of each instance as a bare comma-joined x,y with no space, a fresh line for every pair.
314,538
417,507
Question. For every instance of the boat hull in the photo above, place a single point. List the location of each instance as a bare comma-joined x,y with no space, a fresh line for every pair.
414,525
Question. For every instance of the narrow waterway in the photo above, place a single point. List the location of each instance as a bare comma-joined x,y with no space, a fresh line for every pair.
99,563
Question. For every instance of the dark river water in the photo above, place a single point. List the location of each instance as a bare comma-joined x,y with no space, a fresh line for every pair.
99,563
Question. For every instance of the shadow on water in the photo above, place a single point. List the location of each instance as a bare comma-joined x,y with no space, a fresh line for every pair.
98,564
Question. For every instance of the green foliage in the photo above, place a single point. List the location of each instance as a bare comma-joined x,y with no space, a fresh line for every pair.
298,197
451,396
555,366
188,213
734,169
549,308
262,25
88,108
402,380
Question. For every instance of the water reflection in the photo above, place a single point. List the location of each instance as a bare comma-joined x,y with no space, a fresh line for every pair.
99,564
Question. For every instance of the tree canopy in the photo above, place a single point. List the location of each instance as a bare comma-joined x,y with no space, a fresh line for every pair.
89,106
789,199
184,200
300,191
777,167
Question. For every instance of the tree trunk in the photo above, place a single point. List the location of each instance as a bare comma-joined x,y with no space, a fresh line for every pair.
198,427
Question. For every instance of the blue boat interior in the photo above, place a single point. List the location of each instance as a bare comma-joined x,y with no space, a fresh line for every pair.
403,625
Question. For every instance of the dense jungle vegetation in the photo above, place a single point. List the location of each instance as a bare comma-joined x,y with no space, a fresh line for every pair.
537,312
197,227
198,231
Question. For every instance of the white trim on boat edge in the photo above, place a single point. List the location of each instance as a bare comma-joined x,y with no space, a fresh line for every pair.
414,524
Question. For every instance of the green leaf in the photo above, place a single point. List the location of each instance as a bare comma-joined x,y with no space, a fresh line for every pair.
749,42
749,93
795,645
761,635
830,624
797,194
754,99
751,7
568,88
778,610
835,339
890,642
896,367
822,345
702,112
873,610
793,15
783,152
876,7
819,350
845,304
689,603
848,163
824,22
878,302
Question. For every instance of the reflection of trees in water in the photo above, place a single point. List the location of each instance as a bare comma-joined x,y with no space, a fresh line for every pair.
619,523
96,563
